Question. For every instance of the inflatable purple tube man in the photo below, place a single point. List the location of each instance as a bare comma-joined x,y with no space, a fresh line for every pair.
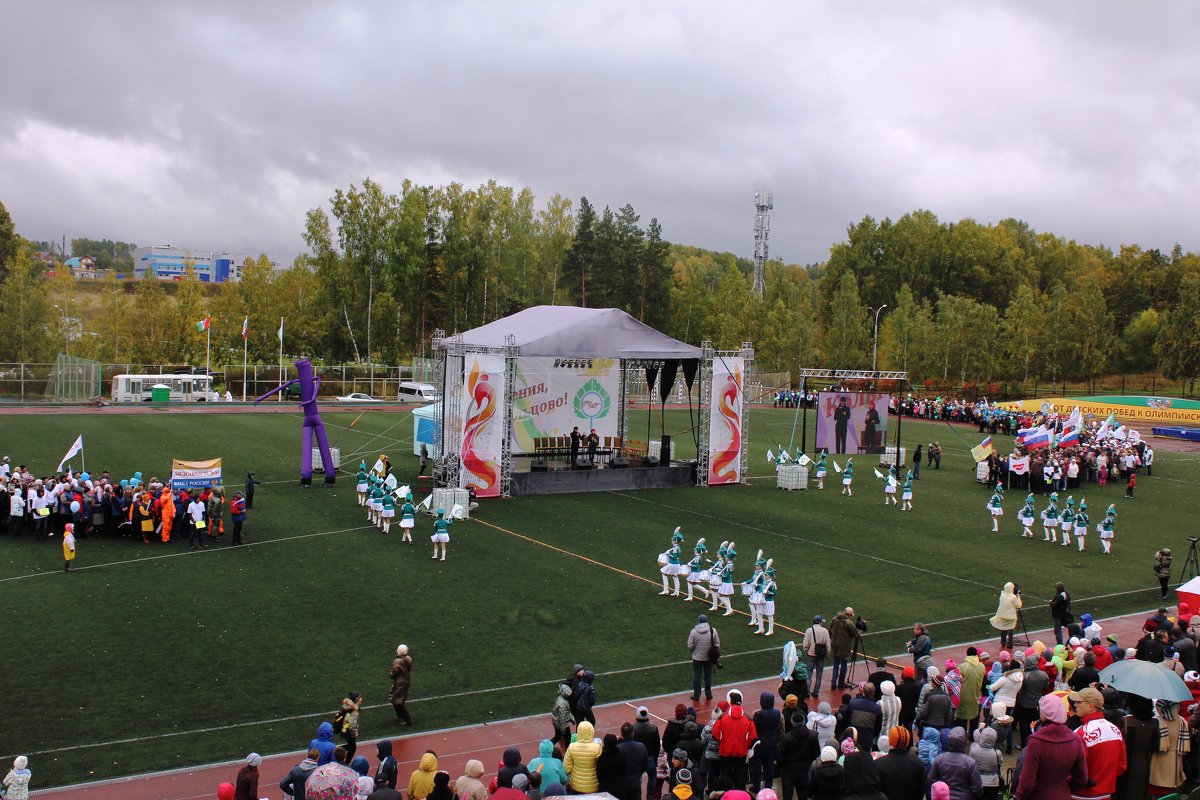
309,389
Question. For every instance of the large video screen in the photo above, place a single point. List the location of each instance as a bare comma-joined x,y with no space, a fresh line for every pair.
852,422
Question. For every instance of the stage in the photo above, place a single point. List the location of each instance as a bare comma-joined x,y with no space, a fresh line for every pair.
563,481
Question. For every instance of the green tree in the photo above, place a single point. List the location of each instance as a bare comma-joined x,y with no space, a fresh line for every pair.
654,278
847,332
1023,328
1135,350
906,333
1178,344
30,319
578,265
1091,330
1054,348
556,231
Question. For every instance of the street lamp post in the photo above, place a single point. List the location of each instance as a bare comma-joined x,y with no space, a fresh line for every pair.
875,344
66,330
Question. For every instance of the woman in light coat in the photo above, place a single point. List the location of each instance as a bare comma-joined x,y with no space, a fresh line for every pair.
1007,614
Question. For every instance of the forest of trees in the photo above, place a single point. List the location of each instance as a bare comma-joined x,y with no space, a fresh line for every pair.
966,301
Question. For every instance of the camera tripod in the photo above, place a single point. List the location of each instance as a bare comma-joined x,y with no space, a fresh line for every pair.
1191,565
855,654
1024,630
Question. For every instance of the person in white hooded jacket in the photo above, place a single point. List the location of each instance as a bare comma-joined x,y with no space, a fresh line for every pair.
889,705
823,723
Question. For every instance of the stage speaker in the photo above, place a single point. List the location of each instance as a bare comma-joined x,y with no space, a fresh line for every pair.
539,466
618,462
583,463
651,461
665,451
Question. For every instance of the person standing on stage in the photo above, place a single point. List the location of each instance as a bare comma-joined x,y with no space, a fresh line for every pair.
576,440
841,425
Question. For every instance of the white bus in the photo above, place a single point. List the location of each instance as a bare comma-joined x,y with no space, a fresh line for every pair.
185,388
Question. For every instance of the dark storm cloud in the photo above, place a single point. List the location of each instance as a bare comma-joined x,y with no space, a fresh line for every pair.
217,125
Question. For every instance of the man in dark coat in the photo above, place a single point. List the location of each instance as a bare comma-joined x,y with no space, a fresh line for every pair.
842,636
900,771
797,750
768,726
250,484
637,764
647,733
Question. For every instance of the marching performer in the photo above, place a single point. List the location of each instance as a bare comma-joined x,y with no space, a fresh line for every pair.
996,508
1050,519
767,609
1106,533
822,470
408,519
848,478
441,533
376,502
1067,521
1026,517
889,486
906,492
714,576
671,567
727,580
1112,511
362,486
1081,524
750,587
697,574
388,511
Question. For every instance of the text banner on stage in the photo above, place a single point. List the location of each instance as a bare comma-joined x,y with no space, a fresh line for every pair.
195,474
725,422
483,426
553,395
851,422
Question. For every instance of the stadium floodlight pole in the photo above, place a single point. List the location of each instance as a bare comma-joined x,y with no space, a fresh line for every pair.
875,340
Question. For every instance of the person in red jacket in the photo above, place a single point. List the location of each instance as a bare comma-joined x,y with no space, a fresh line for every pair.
734,733
1104,742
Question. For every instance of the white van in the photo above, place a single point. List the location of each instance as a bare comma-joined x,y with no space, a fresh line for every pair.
411,392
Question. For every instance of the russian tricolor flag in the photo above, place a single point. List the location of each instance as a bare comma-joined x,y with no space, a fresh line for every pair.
1035,438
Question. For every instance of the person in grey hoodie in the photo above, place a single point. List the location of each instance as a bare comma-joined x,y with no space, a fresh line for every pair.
700,643
293,783
990,761
957,769
1033,685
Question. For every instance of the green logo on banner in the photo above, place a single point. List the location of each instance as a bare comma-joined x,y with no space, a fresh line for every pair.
592,402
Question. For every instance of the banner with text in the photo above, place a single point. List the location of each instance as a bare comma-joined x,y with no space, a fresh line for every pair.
482,425
725,421
195,474
553,395
851,422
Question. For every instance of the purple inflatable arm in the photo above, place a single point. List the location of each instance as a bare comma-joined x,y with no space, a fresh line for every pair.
310,385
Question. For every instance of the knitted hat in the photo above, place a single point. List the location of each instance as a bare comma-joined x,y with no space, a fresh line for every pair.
1112,637
767,794
1005,655
520,781
908,673
20,762
680,711
1052,708
791,701
643,712
254,759
828,754
887,688
899,738
939,791
1191,676
722,708
938,680
847,746
679,754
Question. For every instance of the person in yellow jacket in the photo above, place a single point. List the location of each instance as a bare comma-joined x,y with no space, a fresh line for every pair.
166,506
145,516
420,783
68,546
580,760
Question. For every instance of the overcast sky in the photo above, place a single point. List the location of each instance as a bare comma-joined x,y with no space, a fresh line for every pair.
216,125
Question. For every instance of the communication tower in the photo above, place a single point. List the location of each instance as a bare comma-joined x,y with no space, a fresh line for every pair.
763,203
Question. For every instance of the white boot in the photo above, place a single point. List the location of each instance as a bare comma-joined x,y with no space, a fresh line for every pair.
689,597
1066,539
676,592
1081,544
759,629
728,608
666,589
771,626
754,620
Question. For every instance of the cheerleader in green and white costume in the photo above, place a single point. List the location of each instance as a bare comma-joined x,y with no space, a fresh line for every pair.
697,574
1050,519
1067,521
1112,511
822,470
995,506
906,492
751,588
714,576
848,477
377,492
361,486
889,486
1026,517
767,609
441,533
389,511
1105,529
671,568
408,519
726,589
1081,524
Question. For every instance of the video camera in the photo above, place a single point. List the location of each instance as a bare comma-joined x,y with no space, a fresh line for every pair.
1193,539
860,624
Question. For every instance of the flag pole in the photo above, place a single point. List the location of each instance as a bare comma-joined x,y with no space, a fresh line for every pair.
82,453
207,347
245,354
280,395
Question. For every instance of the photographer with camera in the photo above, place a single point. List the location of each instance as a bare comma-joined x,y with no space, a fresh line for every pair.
843,635
1007,614
921,648
1162,569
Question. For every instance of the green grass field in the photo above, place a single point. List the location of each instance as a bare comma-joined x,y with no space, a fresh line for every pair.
245,649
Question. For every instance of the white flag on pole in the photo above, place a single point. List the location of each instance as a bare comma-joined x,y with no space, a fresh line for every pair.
770,455
836,468
427,502
892,481
75,449
804,460
878,474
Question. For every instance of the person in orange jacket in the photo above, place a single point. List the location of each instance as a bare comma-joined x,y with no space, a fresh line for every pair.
166,504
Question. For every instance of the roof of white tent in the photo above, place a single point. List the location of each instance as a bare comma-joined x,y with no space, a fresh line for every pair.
573,332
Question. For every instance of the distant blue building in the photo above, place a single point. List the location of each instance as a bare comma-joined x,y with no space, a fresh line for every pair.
171,263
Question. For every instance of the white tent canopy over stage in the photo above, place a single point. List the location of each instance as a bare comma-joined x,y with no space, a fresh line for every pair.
516,387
